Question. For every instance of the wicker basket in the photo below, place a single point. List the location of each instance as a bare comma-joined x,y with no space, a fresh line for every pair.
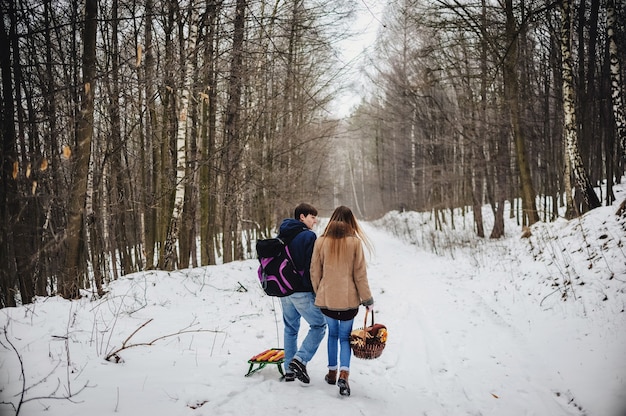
368,342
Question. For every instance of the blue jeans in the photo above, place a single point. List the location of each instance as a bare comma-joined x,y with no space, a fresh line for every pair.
296,306
339,336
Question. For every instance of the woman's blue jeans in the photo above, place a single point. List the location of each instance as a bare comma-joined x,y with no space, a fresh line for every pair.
295,306
339,338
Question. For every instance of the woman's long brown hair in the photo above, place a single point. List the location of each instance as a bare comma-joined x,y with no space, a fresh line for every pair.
343,224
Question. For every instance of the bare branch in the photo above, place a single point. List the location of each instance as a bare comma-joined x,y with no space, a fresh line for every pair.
113,355
22,394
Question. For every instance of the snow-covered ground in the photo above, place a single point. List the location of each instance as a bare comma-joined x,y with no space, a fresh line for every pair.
476,327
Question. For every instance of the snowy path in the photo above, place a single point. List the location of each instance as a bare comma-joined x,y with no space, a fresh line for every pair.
449,352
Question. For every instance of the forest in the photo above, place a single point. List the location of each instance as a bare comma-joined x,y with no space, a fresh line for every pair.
162,134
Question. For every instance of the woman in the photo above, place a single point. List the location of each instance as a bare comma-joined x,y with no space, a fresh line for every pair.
339,278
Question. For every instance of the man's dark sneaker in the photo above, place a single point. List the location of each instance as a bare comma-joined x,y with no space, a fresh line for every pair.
299,371
290,377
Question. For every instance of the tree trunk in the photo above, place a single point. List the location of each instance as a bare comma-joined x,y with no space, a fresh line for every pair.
149,148
482,135
51,148
233,148
69,283
476,184
182,138
570,128
511,91
588,102
119,174
616,82
23,218
208,176
500,185
8,190
607,118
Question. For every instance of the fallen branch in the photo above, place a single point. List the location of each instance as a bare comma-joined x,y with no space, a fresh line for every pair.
67,397
19,357
114,357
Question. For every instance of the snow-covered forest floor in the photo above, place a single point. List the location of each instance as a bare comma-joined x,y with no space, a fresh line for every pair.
532,326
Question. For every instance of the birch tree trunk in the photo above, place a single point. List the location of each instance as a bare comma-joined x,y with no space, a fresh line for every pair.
69,282
616,82
570,127
498,226
170,257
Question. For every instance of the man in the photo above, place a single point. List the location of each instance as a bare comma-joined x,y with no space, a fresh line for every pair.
301,304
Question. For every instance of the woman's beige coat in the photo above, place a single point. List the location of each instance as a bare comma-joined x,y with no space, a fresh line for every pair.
340,285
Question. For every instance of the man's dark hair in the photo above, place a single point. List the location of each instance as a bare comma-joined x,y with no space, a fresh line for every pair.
304,209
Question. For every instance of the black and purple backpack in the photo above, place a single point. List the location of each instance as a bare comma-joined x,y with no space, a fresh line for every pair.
277,271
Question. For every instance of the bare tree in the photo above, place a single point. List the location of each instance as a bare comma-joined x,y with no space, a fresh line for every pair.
570,125
9,168
511,91
69,284
233,147
148,141
616,80
208,151
182,144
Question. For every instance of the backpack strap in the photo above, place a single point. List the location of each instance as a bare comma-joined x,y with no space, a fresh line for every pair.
286,238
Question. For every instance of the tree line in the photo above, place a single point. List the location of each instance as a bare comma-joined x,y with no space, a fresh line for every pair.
144,134
477,102
140,134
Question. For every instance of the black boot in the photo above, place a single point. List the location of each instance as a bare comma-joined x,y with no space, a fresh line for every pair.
344,387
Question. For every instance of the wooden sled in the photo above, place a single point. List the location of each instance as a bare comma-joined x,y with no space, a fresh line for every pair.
272,356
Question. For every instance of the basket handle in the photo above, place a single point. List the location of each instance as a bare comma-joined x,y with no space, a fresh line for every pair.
363,336
365,320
